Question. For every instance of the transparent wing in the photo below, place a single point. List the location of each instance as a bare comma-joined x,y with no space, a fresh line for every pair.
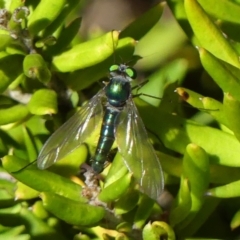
72,133
138,154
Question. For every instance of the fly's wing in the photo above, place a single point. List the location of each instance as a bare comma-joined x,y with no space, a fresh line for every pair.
138,154
72,133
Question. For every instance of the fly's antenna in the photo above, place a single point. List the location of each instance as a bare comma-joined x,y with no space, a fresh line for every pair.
31,163
118,58
115,55
121,59
133,60
114,50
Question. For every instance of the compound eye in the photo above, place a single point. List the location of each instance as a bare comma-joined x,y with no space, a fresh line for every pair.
113,68
131,73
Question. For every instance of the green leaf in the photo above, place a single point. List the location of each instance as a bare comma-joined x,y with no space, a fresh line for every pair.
117,170
39,210
37,227
14,233
6,39
45,13
205,104
219,174
19,79
10,69
86,54
71,211
224,77
116,189
193,98
224,9
13,114
65,38
232,113
15,4
69,165
222,174
34,66
7,197
29,143
176,133
43,101
160,79
215,109
83,78
23,192
183,203
127,202
42,181
235,222
209,36
146,21
226,191
196,170
61,18
208,208
156,230
143,211
178,9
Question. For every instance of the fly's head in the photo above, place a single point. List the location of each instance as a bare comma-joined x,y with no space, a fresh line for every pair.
123,70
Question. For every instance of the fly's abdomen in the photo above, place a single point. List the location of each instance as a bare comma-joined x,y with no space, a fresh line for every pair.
105,141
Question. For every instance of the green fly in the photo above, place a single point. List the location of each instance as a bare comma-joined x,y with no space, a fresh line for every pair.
120,122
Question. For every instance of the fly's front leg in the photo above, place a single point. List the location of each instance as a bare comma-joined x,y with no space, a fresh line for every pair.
138,87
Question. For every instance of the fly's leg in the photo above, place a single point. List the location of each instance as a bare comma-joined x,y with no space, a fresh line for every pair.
138,87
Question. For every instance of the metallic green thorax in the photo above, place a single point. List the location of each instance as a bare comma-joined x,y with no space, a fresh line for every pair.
117,91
